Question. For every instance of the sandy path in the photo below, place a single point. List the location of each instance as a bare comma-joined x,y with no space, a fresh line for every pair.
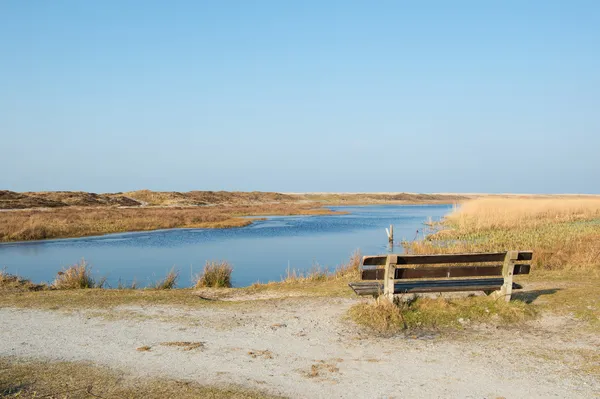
305,337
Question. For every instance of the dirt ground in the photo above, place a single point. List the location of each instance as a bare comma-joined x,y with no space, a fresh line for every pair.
306,348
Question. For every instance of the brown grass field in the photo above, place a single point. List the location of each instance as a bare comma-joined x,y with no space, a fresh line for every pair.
38,224
564,233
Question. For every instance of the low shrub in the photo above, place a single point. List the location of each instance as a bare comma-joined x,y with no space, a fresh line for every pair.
215,274
169,282
11,282
78,276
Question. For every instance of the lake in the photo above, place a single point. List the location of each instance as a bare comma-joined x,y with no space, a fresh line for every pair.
262,251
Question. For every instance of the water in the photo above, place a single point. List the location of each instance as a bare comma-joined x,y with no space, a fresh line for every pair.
262,251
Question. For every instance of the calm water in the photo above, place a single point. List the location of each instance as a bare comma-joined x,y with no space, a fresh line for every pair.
259,252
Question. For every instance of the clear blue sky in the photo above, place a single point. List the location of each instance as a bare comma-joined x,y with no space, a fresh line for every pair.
418,96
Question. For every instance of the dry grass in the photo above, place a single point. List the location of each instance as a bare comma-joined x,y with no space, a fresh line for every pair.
52,199
10,283
510,213
318,273
199,198
184,345
70,380
384,317
563,233
104,299
23,225
381,198
321,369
319,277
169,282
78,276
215,274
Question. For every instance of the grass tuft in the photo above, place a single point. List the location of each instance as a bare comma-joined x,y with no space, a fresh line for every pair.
78,276
169,282
13,283
215,274
318,273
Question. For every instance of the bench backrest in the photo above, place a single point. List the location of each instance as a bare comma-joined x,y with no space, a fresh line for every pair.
374,267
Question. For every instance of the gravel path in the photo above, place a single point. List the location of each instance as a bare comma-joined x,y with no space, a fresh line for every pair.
303,348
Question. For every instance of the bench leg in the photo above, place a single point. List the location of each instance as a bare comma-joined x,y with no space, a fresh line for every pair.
388,281
507,273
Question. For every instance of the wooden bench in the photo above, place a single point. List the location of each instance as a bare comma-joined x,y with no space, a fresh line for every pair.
398,274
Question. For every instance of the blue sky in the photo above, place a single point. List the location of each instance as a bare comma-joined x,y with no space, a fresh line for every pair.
417,96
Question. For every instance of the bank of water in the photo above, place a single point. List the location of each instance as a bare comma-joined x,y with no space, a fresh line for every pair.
262,251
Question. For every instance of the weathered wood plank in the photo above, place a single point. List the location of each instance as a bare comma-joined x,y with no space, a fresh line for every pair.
424,286
379,260
441,272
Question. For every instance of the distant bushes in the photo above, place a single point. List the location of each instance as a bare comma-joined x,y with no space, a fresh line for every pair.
215,274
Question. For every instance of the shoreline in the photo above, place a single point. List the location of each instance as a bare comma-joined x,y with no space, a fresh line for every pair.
125,219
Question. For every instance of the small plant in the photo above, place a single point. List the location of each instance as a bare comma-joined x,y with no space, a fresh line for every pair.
169,282
215,274
78,276
351,268
122,286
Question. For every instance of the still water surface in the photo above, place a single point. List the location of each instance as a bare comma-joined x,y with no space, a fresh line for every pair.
262,251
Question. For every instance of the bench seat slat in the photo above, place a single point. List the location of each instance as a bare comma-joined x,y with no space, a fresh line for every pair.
442,272
424,286
380,260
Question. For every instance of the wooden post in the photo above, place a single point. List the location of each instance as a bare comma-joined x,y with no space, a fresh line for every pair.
507,273
391,237
390,274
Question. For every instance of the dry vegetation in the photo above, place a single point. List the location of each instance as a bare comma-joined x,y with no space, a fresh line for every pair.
199,198
381,198
9,283
78,276
340,276
169,282
53,199
78,222
70,380
564,233
426,313
215,274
